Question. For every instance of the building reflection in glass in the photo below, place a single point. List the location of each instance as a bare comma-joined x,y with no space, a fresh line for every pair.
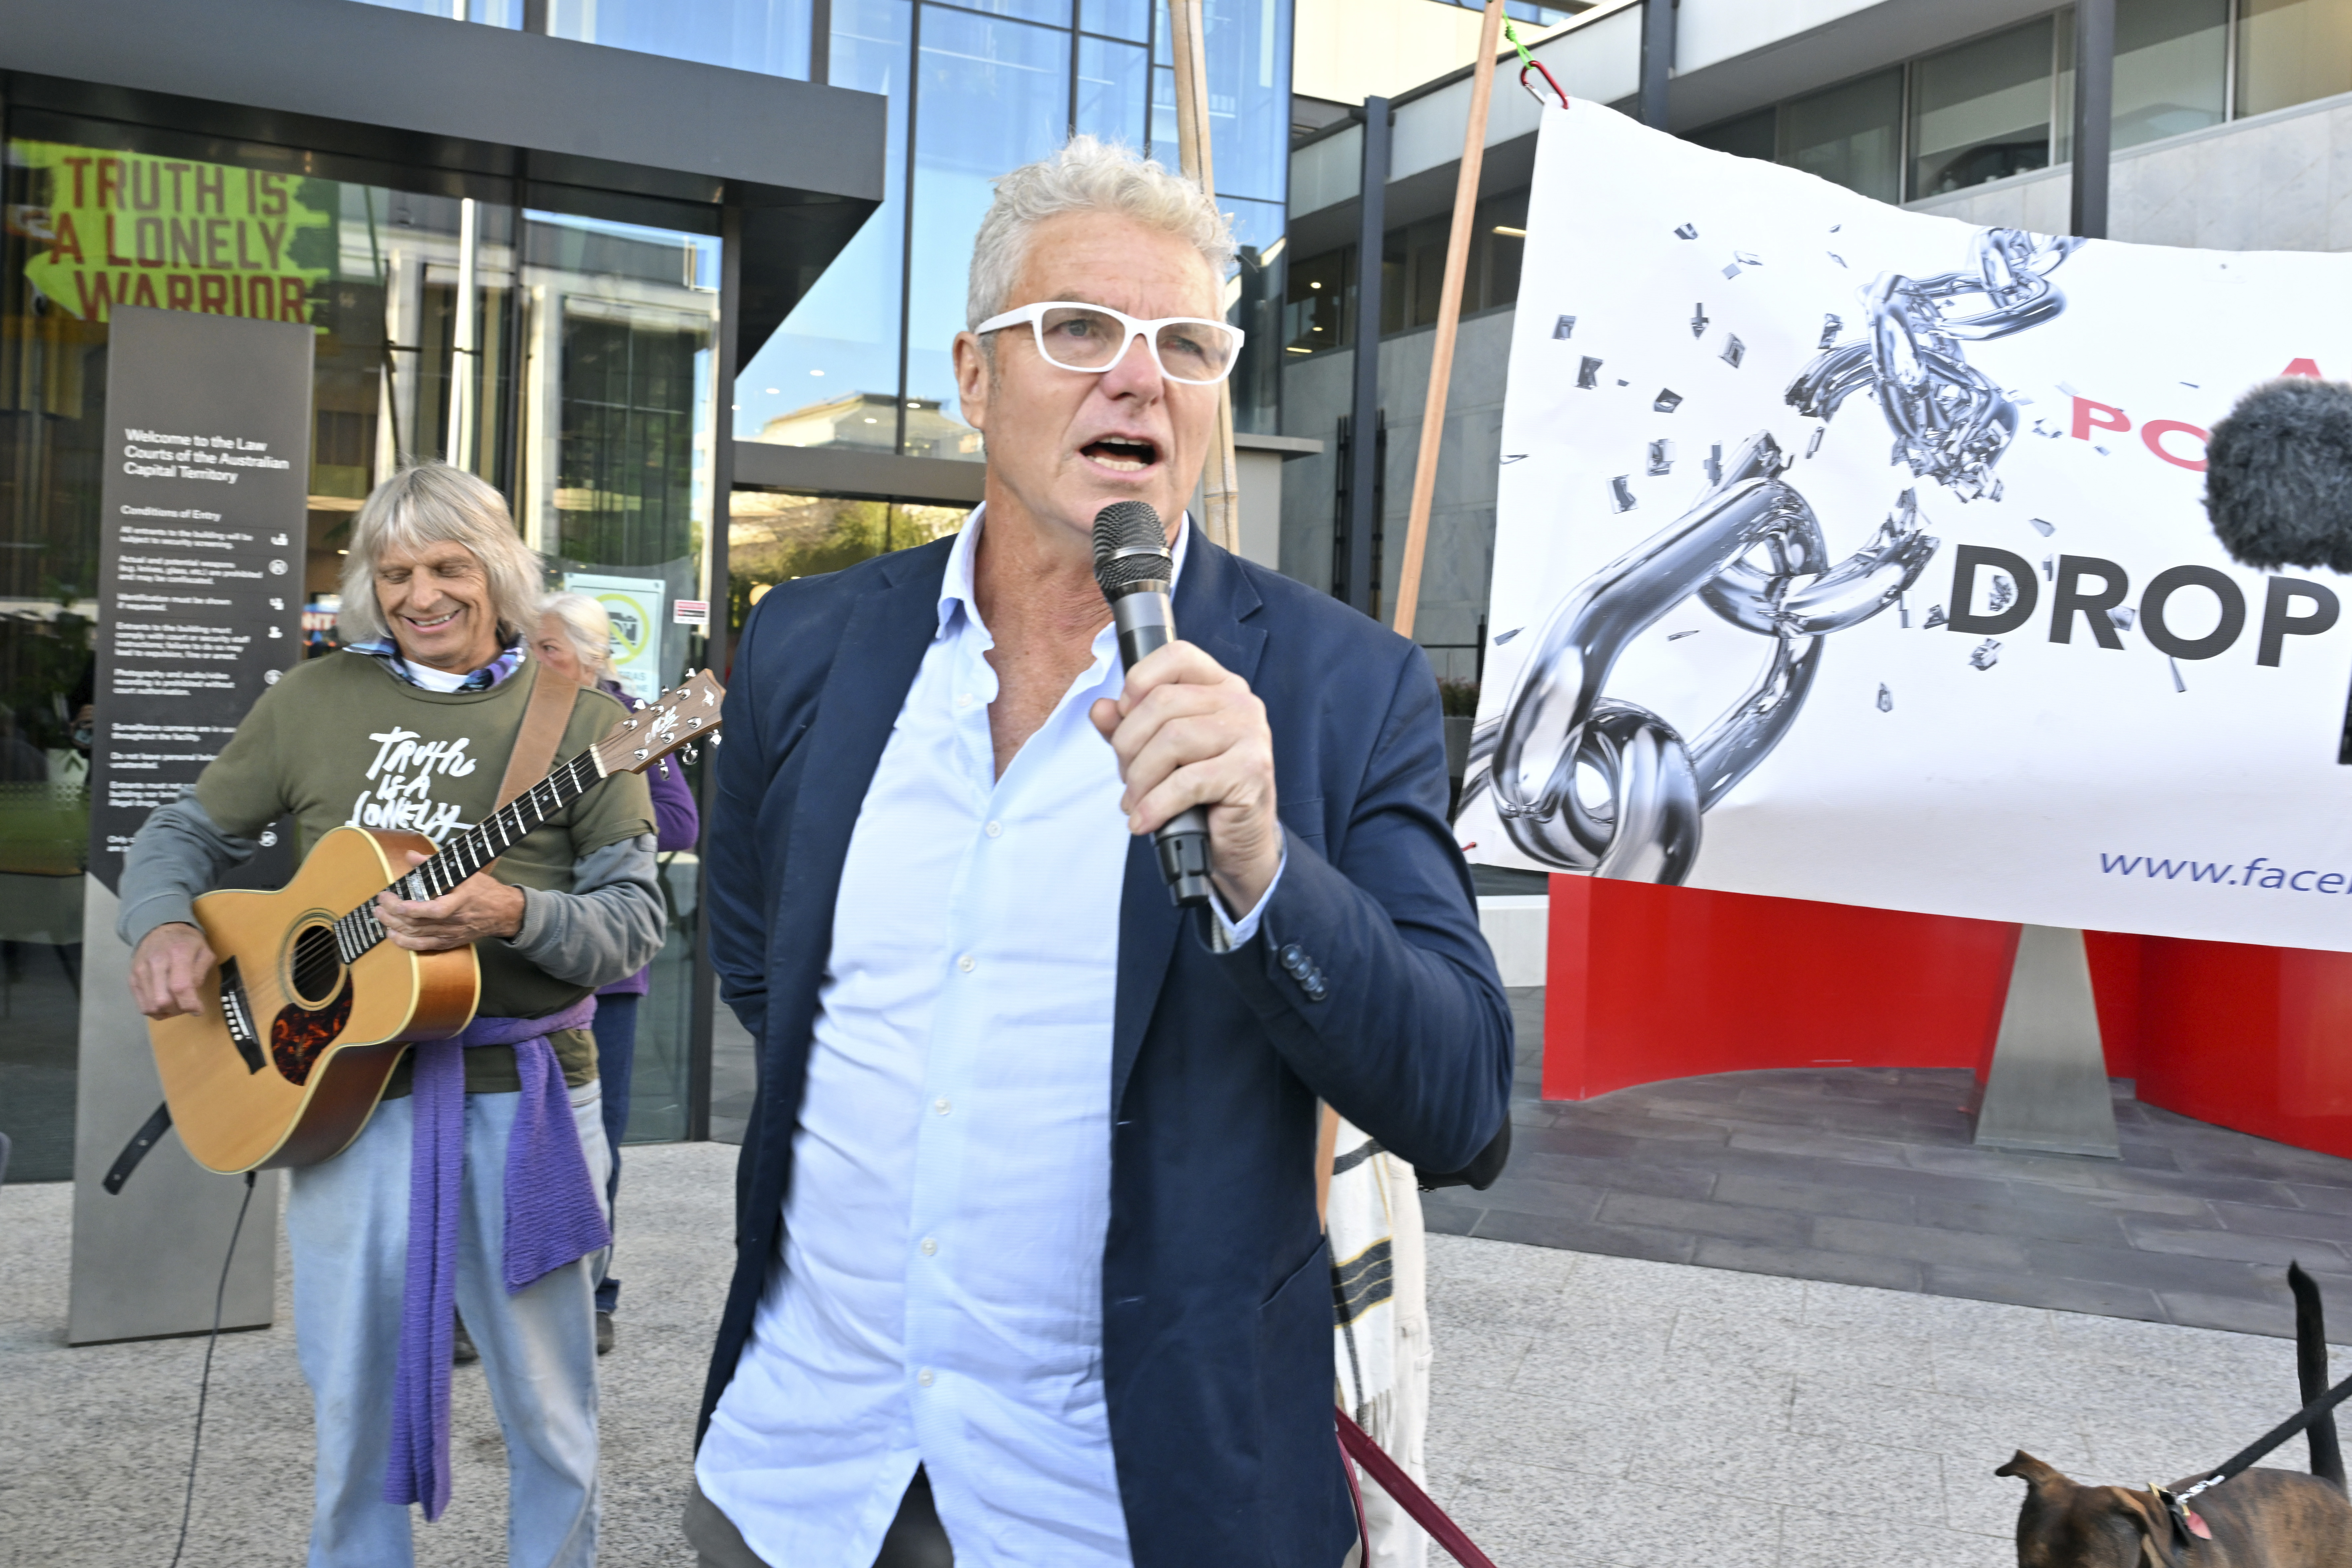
988,92
773,537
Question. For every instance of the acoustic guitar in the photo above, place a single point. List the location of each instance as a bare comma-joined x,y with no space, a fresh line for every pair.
313,1005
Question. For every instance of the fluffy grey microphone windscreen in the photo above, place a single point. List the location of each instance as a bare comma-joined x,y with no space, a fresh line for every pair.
2278,476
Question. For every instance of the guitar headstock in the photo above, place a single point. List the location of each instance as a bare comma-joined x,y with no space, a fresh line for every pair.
655,729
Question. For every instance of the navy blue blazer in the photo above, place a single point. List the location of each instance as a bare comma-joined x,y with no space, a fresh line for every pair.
1217,1303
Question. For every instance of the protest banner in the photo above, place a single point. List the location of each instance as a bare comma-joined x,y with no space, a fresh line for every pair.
1856,554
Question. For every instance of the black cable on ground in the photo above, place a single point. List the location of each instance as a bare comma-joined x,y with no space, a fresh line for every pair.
205,1384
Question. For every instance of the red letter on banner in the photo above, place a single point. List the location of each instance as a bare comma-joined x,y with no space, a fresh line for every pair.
2090,415
2156,430
2309,367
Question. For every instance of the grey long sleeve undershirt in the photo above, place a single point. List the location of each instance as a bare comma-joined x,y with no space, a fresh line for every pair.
607,928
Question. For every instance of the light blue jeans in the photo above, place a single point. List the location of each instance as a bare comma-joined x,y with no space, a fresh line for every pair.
347,1228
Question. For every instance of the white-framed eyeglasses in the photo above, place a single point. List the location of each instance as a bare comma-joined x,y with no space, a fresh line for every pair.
1093,338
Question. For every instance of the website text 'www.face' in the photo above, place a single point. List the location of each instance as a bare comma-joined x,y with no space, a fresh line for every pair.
2255,873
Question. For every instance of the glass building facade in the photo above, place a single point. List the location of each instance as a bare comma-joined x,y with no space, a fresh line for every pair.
2003,104
977,89
1319,309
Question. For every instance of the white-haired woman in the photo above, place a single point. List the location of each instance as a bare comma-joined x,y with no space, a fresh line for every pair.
574,638
410,728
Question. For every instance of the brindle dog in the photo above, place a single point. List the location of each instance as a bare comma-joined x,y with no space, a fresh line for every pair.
2260,1518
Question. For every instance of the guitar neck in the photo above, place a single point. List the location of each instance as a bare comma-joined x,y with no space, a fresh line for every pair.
358,931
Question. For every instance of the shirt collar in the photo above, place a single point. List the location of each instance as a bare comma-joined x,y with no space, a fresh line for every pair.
956,588
386,652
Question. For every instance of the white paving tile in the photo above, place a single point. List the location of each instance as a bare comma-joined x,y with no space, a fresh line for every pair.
1850,1354
1832,1541
1962,1429
1527,1517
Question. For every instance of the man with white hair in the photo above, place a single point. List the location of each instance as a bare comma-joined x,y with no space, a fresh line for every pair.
1028,1269
411,727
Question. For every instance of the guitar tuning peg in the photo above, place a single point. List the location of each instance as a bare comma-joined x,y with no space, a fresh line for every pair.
717,736
638,706
665,767
693,756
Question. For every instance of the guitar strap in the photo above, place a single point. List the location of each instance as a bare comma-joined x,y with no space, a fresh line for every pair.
543,722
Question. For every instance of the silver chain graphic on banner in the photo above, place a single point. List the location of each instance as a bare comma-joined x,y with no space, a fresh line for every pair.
1752,552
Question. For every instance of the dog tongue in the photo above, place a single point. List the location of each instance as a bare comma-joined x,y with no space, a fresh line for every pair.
2198,1527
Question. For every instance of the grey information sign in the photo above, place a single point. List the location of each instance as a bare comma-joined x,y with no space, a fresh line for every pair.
205,515
204,509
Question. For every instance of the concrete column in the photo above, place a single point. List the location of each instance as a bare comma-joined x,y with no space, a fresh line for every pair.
1658,59
2044,1088
2094,111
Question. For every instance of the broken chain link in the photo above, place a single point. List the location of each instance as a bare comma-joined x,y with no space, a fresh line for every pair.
1639,821
1655,784
1951,421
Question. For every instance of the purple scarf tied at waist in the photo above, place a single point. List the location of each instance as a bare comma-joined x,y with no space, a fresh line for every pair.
552,1216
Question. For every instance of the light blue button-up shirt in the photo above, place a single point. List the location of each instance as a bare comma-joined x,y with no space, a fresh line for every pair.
940,1296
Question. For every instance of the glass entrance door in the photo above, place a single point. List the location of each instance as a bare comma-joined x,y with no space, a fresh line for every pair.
619,365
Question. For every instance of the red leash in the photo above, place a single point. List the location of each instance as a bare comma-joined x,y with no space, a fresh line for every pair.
1356,1445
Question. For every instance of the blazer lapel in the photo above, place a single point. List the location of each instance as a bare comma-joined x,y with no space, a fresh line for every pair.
1213,605
875,664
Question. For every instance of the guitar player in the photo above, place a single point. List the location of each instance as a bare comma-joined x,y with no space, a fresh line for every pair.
413,726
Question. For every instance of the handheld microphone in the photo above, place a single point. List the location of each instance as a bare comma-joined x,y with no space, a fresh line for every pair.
1133,566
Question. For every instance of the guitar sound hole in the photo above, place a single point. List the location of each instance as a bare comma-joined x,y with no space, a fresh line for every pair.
316,964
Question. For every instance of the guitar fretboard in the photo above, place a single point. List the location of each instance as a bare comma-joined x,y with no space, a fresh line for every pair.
359,931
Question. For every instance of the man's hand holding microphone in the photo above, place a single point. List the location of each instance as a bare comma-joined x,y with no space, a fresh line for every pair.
1191,738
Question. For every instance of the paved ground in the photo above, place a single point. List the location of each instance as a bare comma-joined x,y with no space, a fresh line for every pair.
1592,1410
94,1441
1868,1176
1589,1411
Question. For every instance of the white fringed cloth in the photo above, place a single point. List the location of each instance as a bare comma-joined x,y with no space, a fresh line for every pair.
1363,1283
1380,1326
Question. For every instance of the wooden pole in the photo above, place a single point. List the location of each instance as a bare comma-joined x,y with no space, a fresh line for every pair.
1221,484
1449,319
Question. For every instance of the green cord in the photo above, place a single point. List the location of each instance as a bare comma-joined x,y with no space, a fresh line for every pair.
1525,59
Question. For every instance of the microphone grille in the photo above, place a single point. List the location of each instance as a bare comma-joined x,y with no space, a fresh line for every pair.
1130,546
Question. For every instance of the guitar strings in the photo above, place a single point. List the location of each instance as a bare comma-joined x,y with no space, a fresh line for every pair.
359,931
